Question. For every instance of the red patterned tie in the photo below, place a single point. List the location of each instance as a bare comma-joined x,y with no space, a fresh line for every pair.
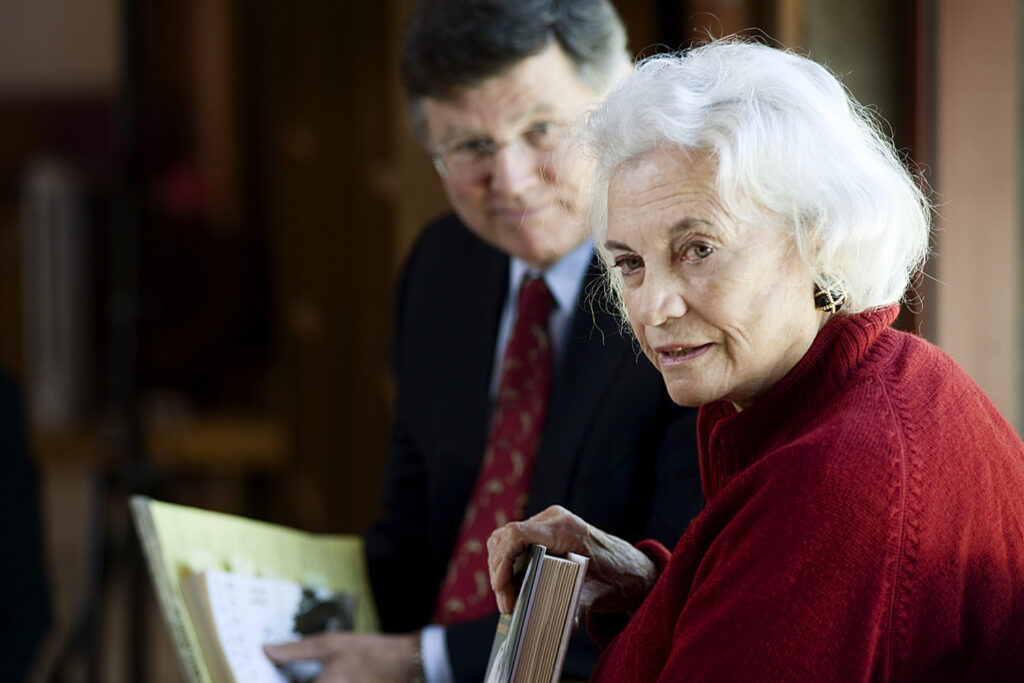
500,493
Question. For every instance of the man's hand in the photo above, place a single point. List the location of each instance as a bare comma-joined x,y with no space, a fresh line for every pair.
353,657
619,576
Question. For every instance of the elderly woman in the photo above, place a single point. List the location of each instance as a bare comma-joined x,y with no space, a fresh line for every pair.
865,499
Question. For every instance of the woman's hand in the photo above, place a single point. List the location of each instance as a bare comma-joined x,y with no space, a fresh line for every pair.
619,576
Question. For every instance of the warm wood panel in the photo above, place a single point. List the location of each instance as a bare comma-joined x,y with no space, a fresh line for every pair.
317,120
978,142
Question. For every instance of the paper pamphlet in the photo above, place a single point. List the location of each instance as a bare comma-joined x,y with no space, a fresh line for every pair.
179,541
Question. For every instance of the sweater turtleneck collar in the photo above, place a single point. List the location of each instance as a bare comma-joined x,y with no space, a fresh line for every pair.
729,441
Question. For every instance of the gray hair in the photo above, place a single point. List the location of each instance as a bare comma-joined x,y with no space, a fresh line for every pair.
452,45
787,139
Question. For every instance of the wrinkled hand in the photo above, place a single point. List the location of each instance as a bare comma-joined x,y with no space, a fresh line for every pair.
619,576
350,657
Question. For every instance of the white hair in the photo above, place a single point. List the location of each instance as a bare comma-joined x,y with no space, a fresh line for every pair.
786,138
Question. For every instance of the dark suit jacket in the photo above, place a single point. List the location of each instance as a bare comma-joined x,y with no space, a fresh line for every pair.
615,450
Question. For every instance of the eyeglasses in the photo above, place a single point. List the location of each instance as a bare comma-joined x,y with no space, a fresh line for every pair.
472,157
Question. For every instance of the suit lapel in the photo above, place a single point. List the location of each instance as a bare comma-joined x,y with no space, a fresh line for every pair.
595,351
464,411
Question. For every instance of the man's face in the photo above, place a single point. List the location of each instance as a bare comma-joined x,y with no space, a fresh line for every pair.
523,197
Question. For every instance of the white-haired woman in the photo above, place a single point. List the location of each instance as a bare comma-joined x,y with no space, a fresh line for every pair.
865,500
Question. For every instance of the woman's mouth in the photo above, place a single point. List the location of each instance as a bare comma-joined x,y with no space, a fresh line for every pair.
677,354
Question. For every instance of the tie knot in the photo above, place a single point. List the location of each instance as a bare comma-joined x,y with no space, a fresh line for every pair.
535,300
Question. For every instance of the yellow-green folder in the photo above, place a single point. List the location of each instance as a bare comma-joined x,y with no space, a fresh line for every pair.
179,540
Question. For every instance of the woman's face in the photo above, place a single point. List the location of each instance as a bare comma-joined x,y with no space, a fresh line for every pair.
723,307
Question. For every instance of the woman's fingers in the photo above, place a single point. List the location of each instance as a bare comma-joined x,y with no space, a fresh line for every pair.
619,576
504,589
555,527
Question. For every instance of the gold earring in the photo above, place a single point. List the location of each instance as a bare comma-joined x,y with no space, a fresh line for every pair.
829,297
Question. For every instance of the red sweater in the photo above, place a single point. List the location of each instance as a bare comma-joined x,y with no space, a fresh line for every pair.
864,522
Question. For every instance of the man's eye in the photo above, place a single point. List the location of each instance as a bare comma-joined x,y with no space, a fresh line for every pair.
474,147
542,128
628,264
540,134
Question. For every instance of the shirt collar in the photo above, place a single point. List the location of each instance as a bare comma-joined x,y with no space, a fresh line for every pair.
564,279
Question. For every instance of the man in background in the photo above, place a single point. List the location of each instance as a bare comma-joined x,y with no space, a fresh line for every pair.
516,388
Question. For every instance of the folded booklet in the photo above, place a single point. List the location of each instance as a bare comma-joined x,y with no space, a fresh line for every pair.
226,585
530,644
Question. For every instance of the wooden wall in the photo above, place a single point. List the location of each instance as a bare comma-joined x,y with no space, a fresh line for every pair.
978,147
318,111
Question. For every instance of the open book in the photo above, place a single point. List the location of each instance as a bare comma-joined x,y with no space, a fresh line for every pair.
530,644
227,584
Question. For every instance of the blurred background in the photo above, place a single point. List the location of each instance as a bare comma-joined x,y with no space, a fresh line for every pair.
203,208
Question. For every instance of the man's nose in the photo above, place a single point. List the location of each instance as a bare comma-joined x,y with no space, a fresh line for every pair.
514,168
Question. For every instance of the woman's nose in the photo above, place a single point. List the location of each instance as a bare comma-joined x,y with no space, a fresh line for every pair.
656,301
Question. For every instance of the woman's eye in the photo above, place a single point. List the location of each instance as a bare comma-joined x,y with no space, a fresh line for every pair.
697,252
628,264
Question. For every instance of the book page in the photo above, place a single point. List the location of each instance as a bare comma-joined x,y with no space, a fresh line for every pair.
551,601
570,621
499,664
193,540
530,644
508,636
241,613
